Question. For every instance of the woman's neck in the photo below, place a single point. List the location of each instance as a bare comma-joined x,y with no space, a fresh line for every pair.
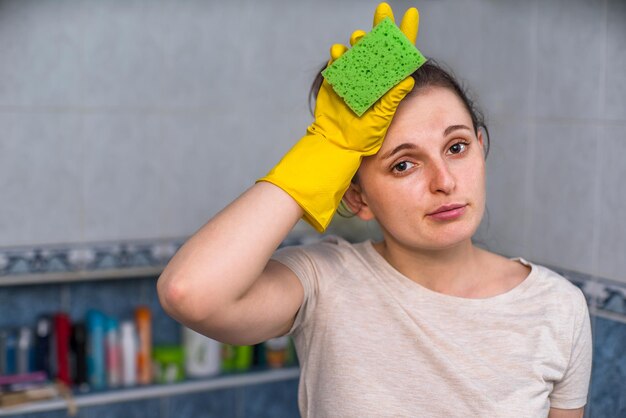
453,271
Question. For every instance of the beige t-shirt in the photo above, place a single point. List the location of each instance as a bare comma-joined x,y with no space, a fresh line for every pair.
373,343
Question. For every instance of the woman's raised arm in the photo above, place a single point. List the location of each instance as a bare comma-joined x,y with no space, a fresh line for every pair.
220,283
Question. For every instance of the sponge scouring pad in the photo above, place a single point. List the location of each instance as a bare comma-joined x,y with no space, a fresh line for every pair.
376,63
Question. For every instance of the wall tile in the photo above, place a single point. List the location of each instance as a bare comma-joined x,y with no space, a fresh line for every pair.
570,35
507,57
49,414
41,49
116,298
40,178
562,211
612,223
213,404
278,65
210,159
121,176
202,59
609,370
195,154
505,222
21,305
134,409
271,400
123,54
615,101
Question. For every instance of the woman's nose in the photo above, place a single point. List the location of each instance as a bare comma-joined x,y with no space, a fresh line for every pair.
442,180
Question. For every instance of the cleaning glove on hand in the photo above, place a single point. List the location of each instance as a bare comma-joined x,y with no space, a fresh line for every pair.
317,171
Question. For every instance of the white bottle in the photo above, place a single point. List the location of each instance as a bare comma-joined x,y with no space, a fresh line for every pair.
203,355
129,353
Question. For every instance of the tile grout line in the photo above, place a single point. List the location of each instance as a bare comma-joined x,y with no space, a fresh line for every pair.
599,172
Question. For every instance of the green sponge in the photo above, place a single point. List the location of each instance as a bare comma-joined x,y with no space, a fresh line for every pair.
379,61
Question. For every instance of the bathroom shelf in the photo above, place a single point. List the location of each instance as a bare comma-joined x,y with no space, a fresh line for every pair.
155,391
79,276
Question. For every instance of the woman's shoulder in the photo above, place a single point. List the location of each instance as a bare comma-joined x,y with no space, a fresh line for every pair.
512,272
328,248
553,289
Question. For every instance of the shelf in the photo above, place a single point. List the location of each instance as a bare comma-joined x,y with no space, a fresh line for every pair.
78,276
156,391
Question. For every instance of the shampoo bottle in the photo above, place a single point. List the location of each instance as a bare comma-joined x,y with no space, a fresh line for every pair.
95,349
43,341
25,352
143,322
129,353
113,363
62,329
79,350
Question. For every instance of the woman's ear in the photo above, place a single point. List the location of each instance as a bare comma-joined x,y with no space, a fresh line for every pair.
481,141
357,202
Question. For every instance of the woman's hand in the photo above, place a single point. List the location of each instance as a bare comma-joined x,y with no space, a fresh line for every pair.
318,169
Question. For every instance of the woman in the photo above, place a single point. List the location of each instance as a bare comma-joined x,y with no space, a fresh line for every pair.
422,323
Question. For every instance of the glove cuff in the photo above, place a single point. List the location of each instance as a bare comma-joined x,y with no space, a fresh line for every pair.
316,174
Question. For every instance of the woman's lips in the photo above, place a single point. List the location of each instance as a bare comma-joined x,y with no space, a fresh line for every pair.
447,213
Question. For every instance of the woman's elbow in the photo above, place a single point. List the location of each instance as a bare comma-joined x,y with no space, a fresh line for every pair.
175,298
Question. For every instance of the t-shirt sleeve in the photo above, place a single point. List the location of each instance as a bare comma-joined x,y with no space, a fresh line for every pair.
571,391
301,260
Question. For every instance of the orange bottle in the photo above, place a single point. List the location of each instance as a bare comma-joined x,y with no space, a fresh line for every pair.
143,321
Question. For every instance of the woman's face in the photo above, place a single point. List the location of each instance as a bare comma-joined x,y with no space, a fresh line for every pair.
426,185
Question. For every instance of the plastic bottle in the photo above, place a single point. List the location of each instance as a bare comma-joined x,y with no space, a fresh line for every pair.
25,350
276,351
4,336
78,343
43,342
143,321
129,353
243,357
169,362
62,330
202,354
95,349
113,363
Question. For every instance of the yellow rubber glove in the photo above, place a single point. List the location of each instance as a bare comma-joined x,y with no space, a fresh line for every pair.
317,171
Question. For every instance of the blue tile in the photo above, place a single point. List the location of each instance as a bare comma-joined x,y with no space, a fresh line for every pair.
147,408
22,304
49,414
608,377
117,298
212,404
271,400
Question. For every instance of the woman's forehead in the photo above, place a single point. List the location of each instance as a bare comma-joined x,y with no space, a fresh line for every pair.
426,113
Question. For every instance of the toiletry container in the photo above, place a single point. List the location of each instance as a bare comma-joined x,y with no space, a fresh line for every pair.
143,322
202,354
96,368
129,353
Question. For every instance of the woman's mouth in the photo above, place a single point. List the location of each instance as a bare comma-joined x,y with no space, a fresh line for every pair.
448,212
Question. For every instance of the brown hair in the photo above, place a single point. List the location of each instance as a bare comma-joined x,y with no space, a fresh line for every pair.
430,74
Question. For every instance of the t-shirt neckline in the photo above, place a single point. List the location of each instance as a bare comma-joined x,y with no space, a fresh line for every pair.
392,274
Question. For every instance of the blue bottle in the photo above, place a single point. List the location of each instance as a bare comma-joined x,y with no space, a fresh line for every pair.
96,369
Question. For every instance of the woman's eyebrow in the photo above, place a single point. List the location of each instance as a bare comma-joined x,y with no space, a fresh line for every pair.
453,128
406,145
409,145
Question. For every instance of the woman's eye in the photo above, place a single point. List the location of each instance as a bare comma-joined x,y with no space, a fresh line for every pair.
458,148
402,166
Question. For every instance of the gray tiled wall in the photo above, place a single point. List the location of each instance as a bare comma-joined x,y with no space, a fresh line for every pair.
141,119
